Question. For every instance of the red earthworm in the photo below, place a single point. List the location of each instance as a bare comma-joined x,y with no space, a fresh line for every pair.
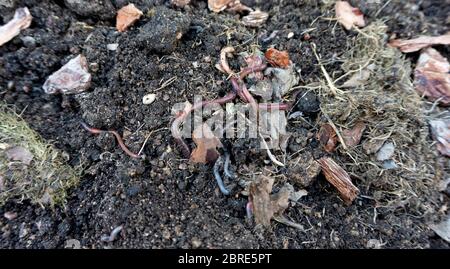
223,59
249,70
118,137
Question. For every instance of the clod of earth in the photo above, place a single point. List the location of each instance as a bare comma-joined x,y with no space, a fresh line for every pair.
432,76
21,20
440,128
102,9
278,58
164,30
327,137
340,179
419,43
207,144
255,19
127,16
349,16
264,205
72,78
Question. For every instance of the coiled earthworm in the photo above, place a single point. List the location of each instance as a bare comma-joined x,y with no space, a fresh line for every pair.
249,70
118,137
219,180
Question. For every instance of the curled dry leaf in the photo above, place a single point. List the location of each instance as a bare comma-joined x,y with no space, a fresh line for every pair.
180,3
72,78
265,205
349,16
352,137
233,5
20,154
255,18
412,45
127,16
432,76
441,133
278,58
21,20
340,179
207,144
327,137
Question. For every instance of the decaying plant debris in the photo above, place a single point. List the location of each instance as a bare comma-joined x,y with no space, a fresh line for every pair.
416,44
30,168
349,16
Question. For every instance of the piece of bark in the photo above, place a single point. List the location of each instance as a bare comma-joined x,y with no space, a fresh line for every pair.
440,129
340,179
432,76
255,19
327,137
232,5
180,3
278,58
419,43
21,20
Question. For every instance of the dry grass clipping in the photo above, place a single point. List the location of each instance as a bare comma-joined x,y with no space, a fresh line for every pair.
392,110
47,178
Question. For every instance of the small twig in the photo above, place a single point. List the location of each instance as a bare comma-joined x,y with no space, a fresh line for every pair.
331,85
338,133
118,138
167,83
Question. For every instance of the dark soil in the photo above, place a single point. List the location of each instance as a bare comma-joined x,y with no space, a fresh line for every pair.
165,202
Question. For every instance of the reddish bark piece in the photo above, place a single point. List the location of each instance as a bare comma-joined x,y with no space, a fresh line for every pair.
432,76
21,20
349,16
340,179
127,16
207,144
352,137
72,78
327,137
416,44
278,58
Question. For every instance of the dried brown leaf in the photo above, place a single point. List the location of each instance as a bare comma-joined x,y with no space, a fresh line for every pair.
441,133
21,20
20,154
352,137
340,179
72,78
419,43
127,16
207,144
265,205
349,16
327,137
432,76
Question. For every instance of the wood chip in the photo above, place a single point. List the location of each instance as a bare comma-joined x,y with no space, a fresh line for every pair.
416,44
127,16
180,3
278,58
340,179
21,20
432,76
327,137
349,16
255,19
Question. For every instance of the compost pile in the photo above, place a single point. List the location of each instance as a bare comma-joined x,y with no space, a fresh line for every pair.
97,97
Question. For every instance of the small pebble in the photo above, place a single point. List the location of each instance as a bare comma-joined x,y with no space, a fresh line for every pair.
29,41
10,215
290,35
112,47
149,98
10,85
